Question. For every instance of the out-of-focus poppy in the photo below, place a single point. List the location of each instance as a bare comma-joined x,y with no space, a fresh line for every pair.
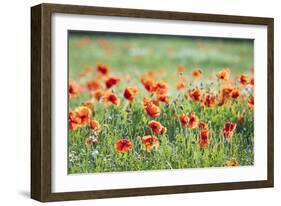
224,74
73,89
111,81
251,101
196,73
103,68
244,79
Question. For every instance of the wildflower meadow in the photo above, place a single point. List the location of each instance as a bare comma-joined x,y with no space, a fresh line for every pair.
152,102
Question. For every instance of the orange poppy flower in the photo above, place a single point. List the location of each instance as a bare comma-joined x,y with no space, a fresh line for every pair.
88,68
148,83
146,101
111,81
204,138
180,84
244,79
157,127
224,74
195,94
196,73
84,114
95,125
208,100
103,69
112,98
152,110
193,120
235,163
150,142
251,102
80,117
130,93
203,125
181,69
74,120
97,94
93,84
226,92
161,87
228,129
73,89
163,98
123,145
89,104
184,119
228,163
235,93
252,81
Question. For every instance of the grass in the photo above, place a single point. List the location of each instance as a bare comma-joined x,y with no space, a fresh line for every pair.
134,55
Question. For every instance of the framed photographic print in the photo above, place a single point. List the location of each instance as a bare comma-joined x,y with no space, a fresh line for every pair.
130,102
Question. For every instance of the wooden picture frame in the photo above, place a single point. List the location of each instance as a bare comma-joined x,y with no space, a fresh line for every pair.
41,97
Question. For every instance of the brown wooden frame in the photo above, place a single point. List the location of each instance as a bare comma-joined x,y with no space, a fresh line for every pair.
41,101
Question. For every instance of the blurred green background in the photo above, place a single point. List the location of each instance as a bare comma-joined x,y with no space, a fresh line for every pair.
140,52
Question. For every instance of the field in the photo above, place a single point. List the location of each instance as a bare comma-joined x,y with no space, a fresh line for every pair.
147,102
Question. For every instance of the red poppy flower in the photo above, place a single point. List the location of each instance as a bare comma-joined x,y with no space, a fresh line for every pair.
184,119
193,120
204,138
148,83
111,81
235,93
251,102
157,127
95,125
150,142
112,98
226,92
130,93
80,117
97,94
74,120
203,125
161,87
152,110
209,100
163,98
252,81
123,145
195,94
228,130
103,69
84,114
73,89
244,79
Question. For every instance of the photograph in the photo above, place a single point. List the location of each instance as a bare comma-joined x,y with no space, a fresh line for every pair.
143,102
